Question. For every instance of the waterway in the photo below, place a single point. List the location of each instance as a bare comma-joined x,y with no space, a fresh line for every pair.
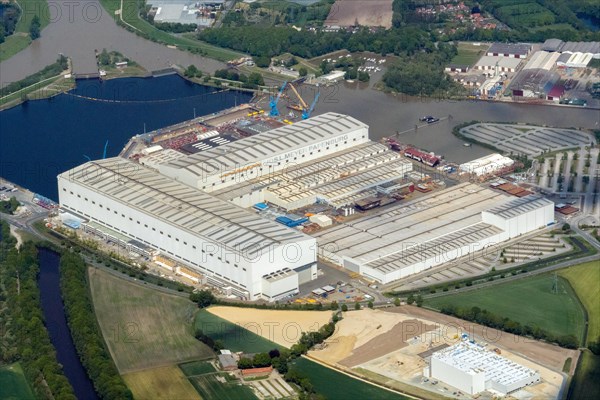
387,114
56,323
41,139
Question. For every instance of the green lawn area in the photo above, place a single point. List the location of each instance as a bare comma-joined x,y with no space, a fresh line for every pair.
468,54
210,388
197,368
13,44
585,280
335,385
143,327
30,8
187,42
234,337
529,301
585,384
13,385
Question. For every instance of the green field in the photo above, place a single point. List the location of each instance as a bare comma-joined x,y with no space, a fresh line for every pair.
335,385
143,327
234,337
197,368
130,16
13,385
20,38
468,54
160,383
585,384
585,280
210,388
529,301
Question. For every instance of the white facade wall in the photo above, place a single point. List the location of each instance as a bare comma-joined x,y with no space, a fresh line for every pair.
278,288
523,223
215,180
468,382
213,259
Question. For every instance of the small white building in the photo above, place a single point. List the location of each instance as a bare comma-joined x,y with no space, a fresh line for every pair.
472,369
486,165
332,77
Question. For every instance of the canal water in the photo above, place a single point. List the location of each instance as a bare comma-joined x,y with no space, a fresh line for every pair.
56,323
41,139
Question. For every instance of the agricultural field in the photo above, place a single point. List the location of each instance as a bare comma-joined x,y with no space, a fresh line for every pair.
372,13
221,386
335,385
468,54
234,337
532,303
585,384
197,368
160,383
283,327
143,327
13,385
585,280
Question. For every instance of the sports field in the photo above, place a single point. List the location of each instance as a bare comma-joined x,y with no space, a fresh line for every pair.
335,385
529,301
217,386
234,337
13,385
143,327
585,280
160,383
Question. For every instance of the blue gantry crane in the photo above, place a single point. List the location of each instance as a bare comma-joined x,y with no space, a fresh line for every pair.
306,113
274,100
103,154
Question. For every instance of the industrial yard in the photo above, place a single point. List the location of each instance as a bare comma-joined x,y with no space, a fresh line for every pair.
363,344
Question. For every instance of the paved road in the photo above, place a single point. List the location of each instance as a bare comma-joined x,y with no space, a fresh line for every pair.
77,28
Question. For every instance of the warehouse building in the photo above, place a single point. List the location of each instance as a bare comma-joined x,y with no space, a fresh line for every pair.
472,369
486,165
498,64
232,247
411,237
512,50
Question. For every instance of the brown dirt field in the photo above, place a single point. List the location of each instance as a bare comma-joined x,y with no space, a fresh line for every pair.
387,342
368,13
280,326
546,354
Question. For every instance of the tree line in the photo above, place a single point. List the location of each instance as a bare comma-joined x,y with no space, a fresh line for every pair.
9,15
484,317
51,70
23,335
85,331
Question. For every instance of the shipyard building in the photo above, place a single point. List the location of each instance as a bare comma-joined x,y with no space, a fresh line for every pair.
410,237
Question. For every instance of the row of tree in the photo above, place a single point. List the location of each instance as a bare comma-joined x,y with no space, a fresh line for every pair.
85,331
250,81
9,16
48,72
23,335
484,317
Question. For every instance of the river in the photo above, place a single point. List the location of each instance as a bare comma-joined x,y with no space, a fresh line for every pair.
43,138
56,323
387,114
76,29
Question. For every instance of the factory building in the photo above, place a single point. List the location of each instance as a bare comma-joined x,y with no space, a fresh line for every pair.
266,153
254,258
497,63
472,369
411,237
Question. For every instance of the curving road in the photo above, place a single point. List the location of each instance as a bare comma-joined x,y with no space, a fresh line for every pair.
77,28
